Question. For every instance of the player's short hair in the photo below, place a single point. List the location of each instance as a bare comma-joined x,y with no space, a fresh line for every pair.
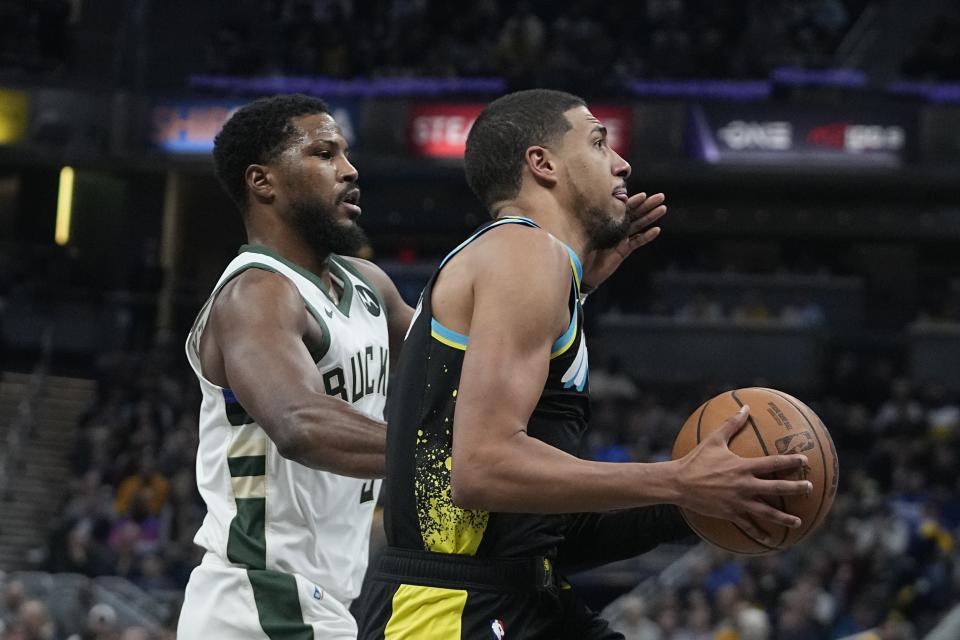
503,132
255,134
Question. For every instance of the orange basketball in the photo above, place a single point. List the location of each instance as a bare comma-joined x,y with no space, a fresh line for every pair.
778,424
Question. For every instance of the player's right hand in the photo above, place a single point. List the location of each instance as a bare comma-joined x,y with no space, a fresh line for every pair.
716,482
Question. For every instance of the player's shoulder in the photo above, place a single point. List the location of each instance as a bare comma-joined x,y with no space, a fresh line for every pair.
256,288
365,267
367,271
519,245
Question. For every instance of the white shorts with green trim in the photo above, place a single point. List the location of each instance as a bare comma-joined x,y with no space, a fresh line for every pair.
224,601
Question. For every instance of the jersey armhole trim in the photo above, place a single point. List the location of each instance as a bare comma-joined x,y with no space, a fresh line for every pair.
345,264
448,337
325,338
320,351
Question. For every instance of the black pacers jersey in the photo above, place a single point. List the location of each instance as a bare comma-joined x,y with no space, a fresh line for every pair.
419,513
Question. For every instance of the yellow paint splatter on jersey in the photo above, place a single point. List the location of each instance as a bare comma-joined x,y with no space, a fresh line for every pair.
445,527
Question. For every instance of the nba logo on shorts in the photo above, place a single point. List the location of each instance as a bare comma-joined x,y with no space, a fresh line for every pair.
498,631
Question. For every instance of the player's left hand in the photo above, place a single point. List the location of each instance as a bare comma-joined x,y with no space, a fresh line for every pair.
643,211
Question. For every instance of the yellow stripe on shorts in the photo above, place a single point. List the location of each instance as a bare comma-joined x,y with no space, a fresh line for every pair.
425,612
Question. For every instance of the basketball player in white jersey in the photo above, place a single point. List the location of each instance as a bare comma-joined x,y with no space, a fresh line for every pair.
292,353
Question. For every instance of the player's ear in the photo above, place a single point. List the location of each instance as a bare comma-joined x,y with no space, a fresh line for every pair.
541,164
259,181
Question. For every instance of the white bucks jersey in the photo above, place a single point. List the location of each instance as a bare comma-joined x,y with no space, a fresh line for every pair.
265,512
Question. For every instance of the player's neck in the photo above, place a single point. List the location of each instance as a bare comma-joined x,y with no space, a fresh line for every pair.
552,218
292,247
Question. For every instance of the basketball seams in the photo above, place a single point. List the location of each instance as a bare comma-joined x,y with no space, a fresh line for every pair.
756,430
767,548
763,446
816,517
750,537
703,410
703,537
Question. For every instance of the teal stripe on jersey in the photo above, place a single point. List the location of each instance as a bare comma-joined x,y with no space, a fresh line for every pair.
247,541
278,605
247,466
577,265
449,334
567,336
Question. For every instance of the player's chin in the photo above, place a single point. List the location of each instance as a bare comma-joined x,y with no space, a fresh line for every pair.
617,211
616,207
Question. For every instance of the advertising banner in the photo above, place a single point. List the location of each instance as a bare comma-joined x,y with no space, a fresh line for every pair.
765,134
189,126
439,130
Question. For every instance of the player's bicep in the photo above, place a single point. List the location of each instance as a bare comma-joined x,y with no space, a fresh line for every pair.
513,326
501,379
260,322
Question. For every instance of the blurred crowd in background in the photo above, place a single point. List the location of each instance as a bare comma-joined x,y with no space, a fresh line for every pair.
531,43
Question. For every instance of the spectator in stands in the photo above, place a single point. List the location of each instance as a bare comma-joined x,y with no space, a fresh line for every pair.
700,308
634,622
148,483
33,622
751,308
668,618
101,624
804,313
153,575
14,595
699,618
942,415
751,623
611,382
902,414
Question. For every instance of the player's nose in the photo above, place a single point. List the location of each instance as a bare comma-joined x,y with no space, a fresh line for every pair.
621,168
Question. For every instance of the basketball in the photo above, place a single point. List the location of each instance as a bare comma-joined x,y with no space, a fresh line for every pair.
778,424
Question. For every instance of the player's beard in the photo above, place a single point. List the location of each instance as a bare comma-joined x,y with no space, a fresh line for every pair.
319,227
603,231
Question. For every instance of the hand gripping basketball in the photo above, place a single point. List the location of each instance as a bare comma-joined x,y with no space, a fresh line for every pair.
758,482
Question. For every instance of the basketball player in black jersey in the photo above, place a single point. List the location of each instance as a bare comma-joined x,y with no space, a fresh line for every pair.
488,503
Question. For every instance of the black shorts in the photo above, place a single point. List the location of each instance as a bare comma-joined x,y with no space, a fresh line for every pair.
419,595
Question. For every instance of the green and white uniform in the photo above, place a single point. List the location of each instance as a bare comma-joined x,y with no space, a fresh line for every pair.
286,545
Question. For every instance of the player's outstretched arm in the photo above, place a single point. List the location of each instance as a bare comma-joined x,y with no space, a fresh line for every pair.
520,292
258,324
595,539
